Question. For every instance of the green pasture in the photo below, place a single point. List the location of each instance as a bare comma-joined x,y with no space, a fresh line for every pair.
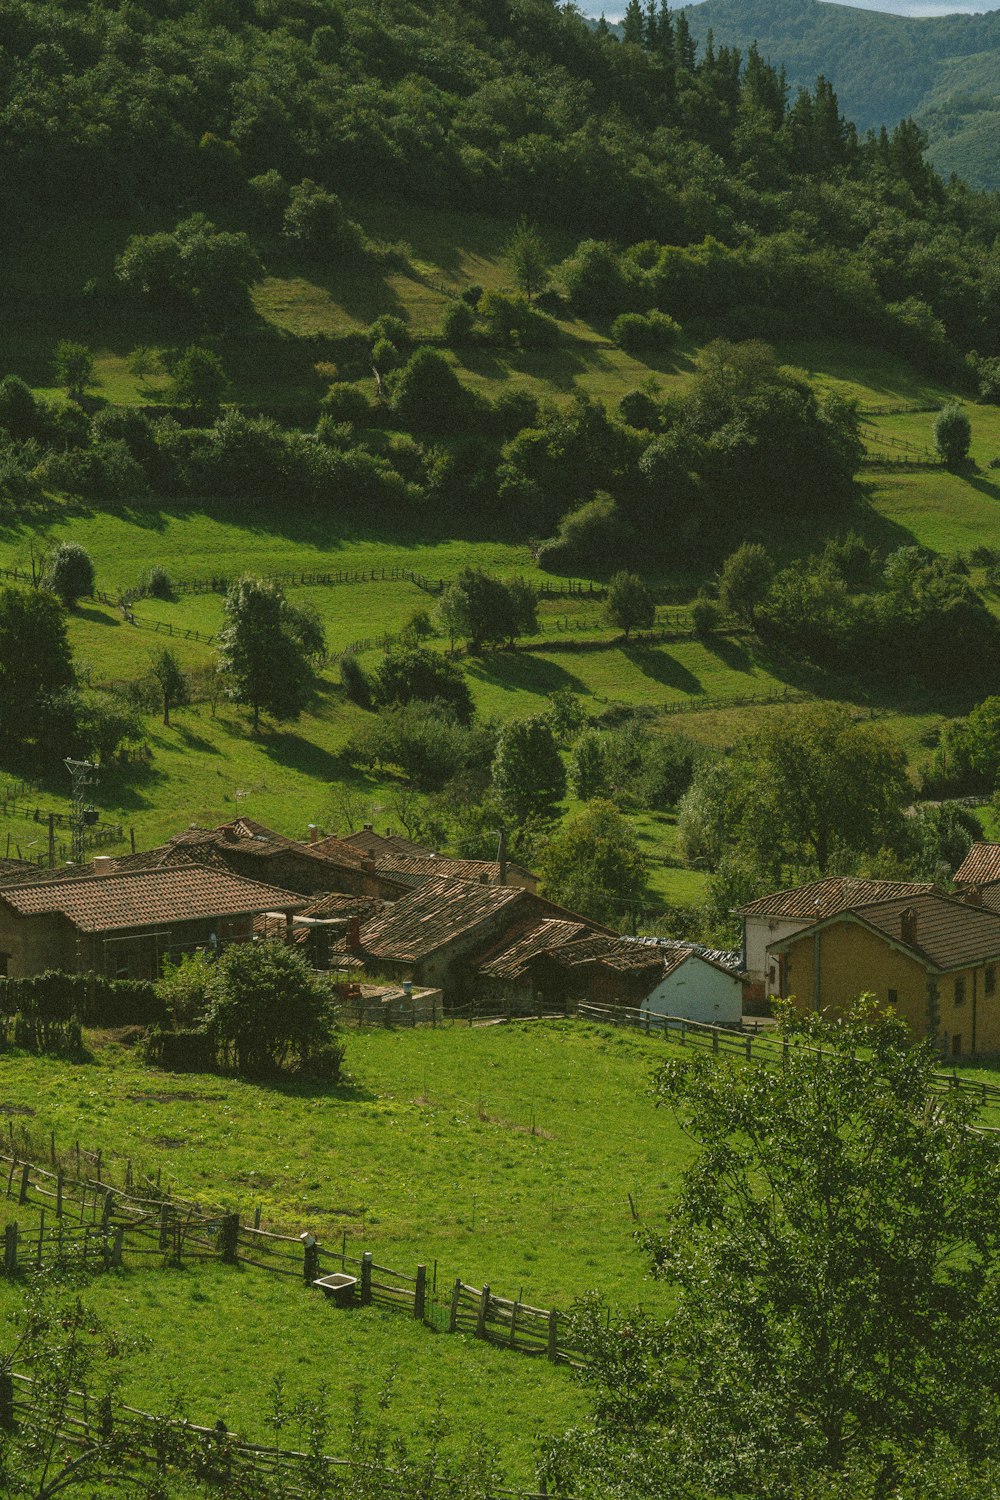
504,1153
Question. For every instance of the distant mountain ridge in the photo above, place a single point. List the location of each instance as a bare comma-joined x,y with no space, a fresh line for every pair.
943,70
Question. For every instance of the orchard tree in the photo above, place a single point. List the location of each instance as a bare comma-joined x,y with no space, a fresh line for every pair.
199,382
486,610
261,654
594,865
629,604
171,680
527,258
74,367
409,672
952,434
528,774
70,572
745,581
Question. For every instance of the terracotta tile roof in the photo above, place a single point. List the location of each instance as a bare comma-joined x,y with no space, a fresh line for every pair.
981,866
949,934
144,898
512,956
422,866
338,905
376,845
613,952
248,837
824,898
428,918
340,850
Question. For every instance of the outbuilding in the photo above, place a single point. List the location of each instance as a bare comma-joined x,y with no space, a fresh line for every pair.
698,989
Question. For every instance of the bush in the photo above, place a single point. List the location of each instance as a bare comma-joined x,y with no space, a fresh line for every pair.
512,322
639,410
385,356
393,328
637,331
705,617
21,415
952,434
595,536
428,394
157,583
345,403
317,221
186,1051
91,999
459,325
413,672
70,573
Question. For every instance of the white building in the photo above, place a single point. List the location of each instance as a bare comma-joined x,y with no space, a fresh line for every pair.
697,988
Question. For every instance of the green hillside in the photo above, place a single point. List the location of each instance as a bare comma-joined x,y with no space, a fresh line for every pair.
942,70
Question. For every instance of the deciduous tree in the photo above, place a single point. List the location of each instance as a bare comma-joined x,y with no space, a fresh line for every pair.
261,655
594,865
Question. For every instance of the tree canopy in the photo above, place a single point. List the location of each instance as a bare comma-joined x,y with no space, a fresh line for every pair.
261,652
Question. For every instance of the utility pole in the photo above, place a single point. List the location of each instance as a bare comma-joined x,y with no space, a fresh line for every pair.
81,816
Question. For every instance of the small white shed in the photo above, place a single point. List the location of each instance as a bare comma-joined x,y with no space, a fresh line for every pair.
697,988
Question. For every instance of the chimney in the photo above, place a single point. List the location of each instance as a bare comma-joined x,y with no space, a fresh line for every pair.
353,934
974,895
103,864
368,828
502,858
908,926
313,832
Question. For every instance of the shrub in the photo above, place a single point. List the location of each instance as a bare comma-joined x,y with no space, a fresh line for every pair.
639,410
413,672
512,322
185,1051
317,221
393,328
952,434
21,415
345,403
637,331
70,573
705,616
459,325
428,393
593,536
385,356
266,1007
157,583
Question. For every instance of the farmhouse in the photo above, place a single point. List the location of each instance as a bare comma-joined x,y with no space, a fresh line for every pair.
124,923
934,958
978,876
439,933
770,918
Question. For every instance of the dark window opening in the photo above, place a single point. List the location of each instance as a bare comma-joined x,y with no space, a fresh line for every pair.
956,1043
991,979
893,997
959,991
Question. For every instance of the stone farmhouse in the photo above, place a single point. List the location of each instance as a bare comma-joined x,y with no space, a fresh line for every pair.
978,876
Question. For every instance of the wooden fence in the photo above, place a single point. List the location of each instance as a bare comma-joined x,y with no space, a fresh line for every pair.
213,1455
84,1220
514,1325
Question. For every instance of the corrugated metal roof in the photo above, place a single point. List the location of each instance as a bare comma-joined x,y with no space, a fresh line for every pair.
723,958
824,898
981,866
142,898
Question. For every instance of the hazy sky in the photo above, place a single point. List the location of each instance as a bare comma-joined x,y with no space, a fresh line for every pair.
613,10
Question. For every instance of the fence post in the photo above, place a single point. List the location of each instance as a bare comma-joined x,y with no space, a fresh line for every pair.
7,1421
453,1313
481,1316
10,1249
366,1278
59,1193
116,1245
553,1344
23,1196
310,1259
420,1294
106,1211
229,1237
164,1226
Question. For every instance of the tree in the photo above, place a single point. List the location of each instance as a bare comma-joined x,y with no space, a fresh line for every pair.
199,382
35,660
410,672
265,1005
74,367
70,572
629,604
528,774
486,610
745,581
260,655
953,434
594,865
428,394
172,682
588,766
527,259
317,221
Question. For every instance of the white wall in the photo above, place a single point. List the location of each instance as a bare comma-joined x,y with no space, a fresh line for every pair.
699,992
762,967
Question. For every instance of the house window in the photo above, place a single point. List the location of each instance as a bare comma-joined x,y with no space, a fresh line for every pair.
893,997
959,991
956,1043
990,983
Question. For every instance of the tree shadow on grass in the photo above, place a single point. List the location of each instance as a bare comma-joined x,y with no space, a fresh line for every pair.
296,753
663,668
97,616
523,672
192,741
347,1091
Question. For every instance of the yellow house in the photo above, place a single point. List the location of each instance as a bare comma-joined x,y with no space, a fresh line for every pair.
933,958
